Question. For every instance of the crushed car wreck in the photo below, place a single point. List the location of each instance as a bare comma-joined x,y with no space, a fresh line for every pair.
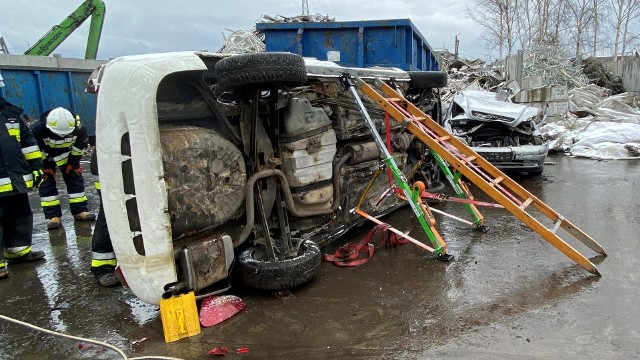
253,160
504,133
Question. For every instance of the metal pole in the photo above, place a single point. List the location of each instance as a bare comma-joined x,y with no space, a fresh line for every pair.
398,175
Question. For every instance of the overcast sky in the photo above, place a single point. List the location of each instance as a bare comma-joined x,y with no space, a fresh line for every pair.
144,26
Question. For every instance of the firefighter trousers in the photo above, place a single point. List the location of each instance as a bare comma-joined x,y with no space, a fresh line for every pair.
50,200
103,259
16,225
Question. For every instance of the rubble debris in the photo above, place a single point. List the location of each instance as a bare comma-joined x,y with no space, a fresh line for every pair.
219,351
595,101
83,346
632,149
140,341
594,96
598,75
467,74
242,41
298,18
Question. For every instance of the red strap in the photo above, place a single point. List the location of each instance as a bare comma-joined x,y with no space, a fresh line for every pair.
351,255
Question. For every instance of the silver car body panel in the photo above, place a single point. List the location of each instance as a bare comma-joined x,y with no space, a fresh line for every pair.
484,102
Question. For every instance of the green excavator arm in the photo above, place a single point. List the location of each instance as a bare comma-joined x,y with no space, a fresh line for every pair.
52,39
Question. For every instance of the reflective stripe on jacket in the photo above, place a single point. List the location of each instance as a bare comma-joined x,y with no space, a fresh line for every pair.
19,151
61,150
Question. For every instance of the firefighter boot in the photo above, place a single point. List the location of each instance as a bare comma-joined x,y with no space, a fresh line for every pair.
4,272
54,223
107,279
33,255
84,216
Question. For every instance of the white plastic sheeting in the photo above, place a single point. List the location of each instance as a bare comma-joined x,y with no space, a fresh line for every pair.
597,102
597,140
609,126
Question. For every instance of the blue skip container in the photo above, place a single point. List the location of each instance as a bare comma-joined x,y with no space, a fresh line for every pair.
389,43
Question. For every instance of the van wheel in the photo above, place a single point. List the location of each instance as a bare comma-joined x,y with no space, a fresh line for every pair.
260,69
427,79
259,273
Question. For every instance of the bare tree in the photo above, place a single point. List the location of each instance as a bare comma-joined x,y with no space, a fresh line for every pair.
618,9
498,18
579,16
544,15
527,23
632,13
557,22
576,25
596,28
540,21
623,12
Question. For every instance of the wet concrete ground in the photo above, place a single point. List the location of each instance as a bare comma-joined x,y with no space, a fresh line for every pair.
508,294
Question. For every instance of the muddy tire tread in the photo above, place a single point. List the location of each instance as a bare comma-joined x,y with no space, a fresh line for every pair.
260,69
278,275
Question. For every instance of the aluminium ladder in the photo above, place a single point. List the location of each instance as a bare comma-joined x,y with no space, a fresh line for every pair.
474,167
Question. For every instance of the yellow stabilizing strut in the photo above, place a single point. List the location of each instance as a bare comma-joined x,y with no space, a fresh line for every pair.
483,174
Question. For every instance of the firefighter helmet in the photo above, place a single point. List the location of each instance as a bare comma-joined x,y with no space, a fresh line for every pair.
60,121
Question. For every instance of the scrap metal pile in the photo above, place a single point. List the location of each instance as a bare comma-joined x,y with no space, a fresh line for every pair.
250,41
597,74
468,74
550,62
242,41
298,18
602,123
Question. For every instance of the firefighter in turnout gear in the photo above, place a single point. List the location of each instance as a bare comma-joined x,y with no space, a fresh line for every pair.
20,169
103,259
62,140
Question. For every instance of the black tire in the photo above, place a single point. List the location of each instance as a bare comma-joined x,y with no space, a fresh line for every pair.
277,275
260,69
427,79
535,173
